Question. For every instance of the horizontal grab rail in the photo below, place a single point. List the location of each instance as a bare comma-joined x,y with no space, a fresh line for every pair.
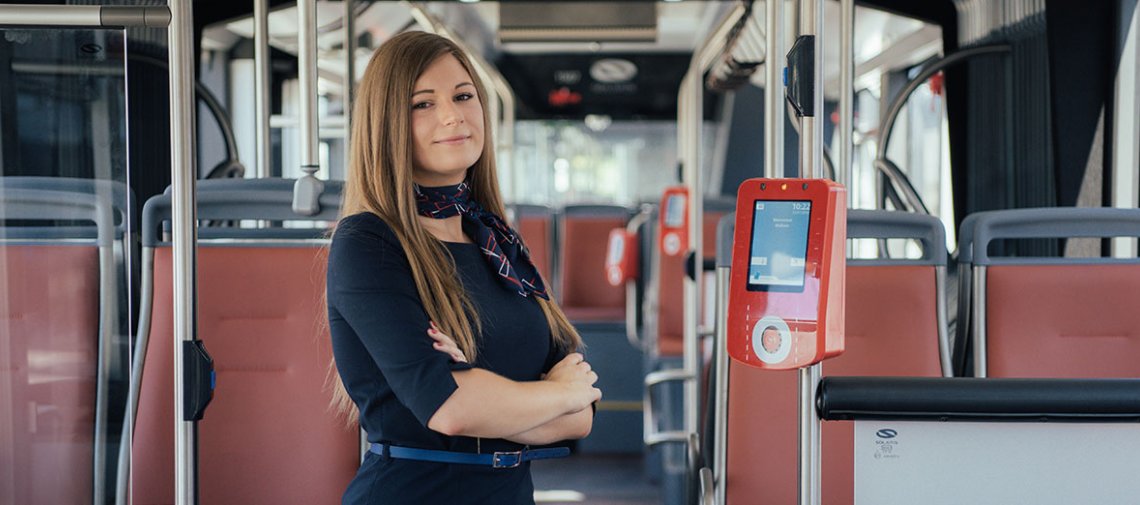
979,399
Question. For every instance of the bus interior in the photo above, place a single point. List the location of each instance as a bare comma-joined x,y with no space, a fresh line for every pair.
172,171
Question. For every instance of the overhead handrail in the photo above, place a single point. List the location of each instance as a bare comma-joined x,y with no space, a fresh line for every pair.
231,166
105,16
894,175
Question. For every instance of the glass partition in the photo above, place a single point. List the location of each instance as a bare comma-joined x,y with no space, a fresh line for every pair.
66,249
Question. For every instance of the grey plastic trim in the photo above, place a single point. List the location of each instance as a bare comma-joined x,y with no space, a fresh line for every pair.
269,184
37,204
724,237
885,224
112,191
596,211
1053,222
142,340
966,240
526,209
237,204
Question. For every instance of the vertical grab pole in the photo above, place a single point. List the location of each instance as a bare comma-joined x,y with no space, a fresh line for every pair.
691,175
811,150
349,75
261,85
307,75
846,92
774,109
183,173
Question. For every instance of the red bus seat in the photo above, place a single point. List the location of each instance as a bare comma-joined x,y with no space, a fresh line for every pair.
1054,317
585,294
269,435
536,225
58,309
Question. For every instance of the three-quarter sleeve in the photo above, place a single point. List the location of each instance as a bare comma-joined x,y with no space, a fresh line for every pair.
370,286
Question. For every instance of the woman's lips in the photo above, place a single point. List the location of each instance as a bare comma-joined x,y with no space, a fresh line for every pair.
456,140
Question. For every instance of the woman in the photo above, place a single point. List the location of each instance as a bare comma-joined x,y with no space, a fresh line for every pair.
444,338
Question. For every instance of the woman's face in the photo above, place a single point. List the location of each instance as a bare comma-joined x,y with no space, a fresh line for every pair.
447,124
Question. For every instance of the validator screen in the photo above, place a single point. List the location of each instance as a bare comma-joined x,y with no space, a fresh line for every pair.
779,245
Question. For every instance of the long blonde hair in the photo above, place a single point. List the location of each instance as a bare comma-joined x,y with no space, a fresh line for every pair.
379,181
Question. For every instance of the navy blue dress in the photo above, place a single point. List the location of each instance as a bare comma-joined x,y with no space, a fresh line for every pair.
398,381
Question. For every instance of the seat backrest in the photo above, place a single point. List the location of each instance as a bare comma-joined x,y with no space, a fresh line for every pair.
122,199
536,225
893,328
268,436
1054,317
585,294
57,299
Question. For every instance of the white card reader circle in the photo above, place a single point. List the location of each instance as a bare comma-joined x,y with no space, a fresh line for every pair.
771,339
672,243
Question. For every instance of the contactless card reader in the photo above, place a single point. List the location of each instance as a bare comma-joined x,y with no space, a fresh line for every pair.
785,307
673,221
622,253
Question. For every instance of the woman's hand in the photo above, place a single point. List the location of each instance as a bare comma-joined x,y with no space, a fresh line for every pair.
577,375
445,344
572,368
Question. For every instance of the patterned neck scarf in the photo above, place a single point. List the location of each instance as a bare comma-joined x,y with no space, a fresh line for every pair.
500,244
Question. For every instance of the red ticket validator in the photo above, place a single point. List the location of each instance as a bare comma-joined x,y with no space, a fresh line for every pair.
673,221
622,253
785,306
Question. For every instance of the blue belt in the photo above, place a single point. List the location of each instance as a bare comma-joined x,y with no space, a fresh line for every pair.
501,459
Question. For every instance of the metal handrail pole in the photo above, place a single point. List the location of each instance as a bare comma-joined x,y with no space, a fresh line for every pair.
307,77
261,105
349,75
183,175
693,105
846,92
773,91
811,159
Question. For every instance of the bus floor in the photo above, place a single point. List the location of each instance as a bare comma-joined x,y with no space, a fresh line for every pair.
594,479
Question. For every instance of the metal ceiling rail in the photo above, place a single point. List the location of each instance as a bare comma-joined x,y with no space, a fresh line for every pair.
92,16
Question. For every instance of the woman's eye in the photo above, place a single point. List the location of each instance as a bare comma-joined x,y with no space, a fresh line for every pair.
421,105
463,97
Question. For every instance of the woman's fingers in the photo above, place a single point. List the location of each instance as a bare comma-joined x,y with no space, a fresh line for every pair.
445,344
573,368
